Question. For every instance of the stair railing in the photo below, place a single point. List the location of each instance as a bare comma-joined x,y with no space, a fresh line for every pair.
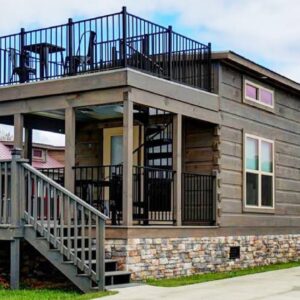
5,192
69,224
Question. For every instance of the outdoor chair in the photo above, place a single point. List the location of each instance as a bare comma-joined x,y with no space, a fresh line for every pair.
73,63
22,72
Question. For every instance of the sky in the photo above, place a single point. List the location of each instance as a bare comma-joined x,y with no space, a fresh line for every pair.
265,31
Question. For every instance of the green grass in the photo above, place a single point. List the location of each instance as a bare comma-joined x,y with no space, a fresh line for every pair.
44,294
186,280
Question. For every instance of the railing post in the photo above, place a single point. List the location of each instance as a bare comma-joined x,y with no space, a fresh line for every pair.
170,32
216,196
70,46
209,71
124,35
22,56
16,188
100,253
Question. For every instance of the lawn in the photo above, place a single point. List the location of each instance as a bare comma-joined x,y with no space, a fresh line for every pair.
44,294
186,280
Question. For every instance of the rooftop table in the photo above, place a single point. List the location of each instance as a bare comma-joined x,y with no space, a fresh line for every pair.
44,49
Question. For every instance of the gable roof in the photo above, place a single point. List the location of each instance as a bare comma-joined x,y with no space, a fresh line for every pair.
264,73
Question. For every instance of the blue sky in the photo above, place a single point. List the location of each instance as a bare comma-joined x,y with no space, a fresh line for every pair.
265,31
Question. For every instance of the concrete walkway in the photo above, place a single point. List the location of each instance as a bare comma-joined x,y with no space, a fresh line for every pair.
276,285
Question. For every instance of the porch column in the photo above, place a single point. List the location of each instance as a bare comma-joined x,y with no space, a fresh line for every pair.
177,165
15,264
18,131
127,159
28,144
70,131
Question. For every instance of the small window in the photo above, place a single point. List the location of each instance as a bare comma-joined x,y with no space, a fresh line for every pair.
259,172
38,153
259,94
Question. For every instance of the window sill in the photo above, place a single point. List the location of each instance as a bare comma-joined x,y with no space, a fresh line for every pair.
260,210
259,105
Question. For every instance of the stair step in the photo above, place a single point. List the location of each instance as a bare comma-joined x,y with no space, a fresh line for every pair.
159,155
117,277
158,142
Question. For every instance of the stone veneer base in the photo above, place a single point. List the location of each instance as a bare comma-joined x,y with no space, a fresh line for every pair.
172,257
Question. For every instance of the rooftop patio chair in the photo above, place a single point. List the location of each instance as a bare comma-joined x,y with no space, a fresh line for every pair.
22,72
73,63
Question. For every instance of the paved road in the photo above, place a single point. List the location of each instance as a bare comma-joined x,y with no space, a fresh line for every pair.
276,285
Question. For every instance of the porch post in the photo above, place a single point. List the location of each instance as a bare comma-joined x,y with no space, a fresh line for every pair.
15,264
127,159
18,131
70,131
177,163
28,144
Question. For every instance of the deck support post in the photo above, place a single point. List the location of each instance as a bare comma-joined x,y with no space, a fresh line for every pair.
15,264
177,163
127,159
18,131
70,132
28,145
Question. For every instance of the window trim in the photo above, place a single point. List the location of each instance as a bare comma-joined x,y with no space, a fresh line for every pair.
259,88
259,207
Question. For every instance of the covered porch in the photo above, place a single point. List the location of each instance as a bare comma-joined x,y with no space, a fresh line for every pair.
137,163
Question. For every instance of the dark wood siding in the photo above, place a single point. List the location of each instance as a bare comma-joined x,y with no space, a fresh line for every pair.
282,126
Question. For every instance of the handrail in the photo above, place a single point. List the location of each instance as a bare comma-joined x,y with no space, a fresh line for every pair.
65,191
68,223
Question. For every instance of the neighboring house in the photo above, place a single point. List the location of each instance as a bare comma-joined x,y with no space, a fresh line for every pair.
192,157
43,156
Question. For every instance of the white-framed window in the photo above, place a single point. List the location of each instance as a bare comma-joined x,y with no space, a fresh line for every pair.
258,172
258,94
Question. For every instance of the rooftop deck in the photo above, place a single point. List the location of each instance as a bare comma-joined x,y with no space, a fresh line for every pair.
108,42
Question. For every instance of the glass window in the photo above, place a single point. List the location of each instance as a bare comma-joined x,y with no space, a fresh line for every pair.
259,94
266,190
266,97
266,156
252,154
252,189
259,168
251,91
116,150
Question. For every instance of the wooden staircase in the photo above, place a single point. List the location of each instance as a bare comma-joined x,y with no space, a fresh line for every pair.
67,231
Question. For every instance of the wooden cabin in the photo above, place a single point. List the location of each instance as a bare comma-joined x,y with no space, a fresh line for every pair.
177,161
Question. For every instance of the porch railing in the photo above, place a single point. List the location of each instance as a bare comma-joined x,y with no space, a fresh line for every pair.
153,195
198,199
56,174
68,223
101,187
108,42
5,192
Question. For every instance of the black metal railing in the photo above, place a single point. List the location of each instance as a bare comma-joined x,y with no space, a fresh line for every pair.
153,195
198,199
56,174
113,41
101,187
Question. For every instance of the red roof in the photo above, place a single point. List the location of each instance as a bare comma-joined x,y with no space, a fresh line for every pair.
49,163
4,152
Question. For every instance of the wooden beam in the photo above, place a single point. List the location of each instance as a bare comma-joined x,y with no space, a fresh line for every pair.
15,264
70,131
28,144
18,131
177,165
127,159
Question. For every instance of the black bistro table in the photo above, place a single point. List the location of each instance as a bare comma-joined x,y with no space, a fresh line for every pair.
43,50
